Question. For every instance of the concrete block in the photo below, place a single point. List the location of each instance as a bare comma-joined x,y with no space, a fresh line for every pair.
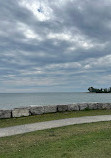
36,110
19,112
62,108
83,106
92,106
5,113
106,106
73,107
50,109
100,106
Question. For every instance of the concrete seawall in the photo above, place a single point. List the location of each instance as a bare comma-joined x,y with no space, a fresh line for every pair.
38,110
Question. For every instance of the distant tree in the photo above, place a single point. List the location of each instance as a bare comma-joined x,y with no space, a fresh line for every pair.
95,90
109,89
91,89
105,90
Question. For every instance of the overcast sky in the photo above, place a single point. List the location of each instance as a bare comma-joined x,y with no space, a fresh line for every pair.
58,45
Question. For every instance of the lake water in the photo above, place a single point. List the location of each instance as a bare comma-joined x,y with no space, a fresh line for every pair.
13,100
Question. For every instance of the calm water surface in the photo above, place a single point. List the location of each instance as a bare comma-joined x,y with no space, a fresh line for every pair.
12,100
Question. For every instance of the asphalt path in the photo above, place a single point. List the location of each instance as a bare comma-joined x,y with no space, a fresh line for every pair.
20,129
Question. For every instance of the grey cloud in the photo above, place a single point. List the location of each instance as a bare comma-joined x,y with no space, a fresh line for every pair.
91,17
70,48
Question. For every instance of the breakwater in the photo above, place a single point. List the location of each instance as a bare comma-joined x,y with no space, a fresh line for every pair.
38,110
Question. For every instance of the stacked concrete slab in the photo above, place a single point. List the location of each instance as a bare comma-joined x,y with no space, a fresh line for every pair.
5,114
73,107
106,106
50,109
19,112
62,108
38,110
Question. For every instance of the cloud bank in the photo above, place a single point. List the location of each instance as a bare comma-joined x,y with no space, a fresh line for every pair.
54,45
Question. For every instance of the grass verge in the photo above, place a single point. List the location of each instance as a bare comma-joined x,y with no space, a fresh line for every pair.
77,141
51,116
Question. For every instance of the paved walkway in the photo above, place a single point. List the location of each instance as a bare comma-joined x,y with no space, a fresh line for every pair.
8,131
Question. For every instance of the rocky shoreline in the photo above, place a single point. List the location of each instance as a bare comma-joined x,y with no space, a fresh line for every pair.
38,110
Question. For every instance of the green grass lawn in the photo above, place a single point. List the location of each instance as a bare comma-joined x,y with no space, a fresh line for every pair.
77,141
52,116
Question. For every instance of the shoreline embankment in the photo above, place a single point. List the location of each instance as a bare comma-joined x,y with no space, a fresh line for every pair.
38,110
